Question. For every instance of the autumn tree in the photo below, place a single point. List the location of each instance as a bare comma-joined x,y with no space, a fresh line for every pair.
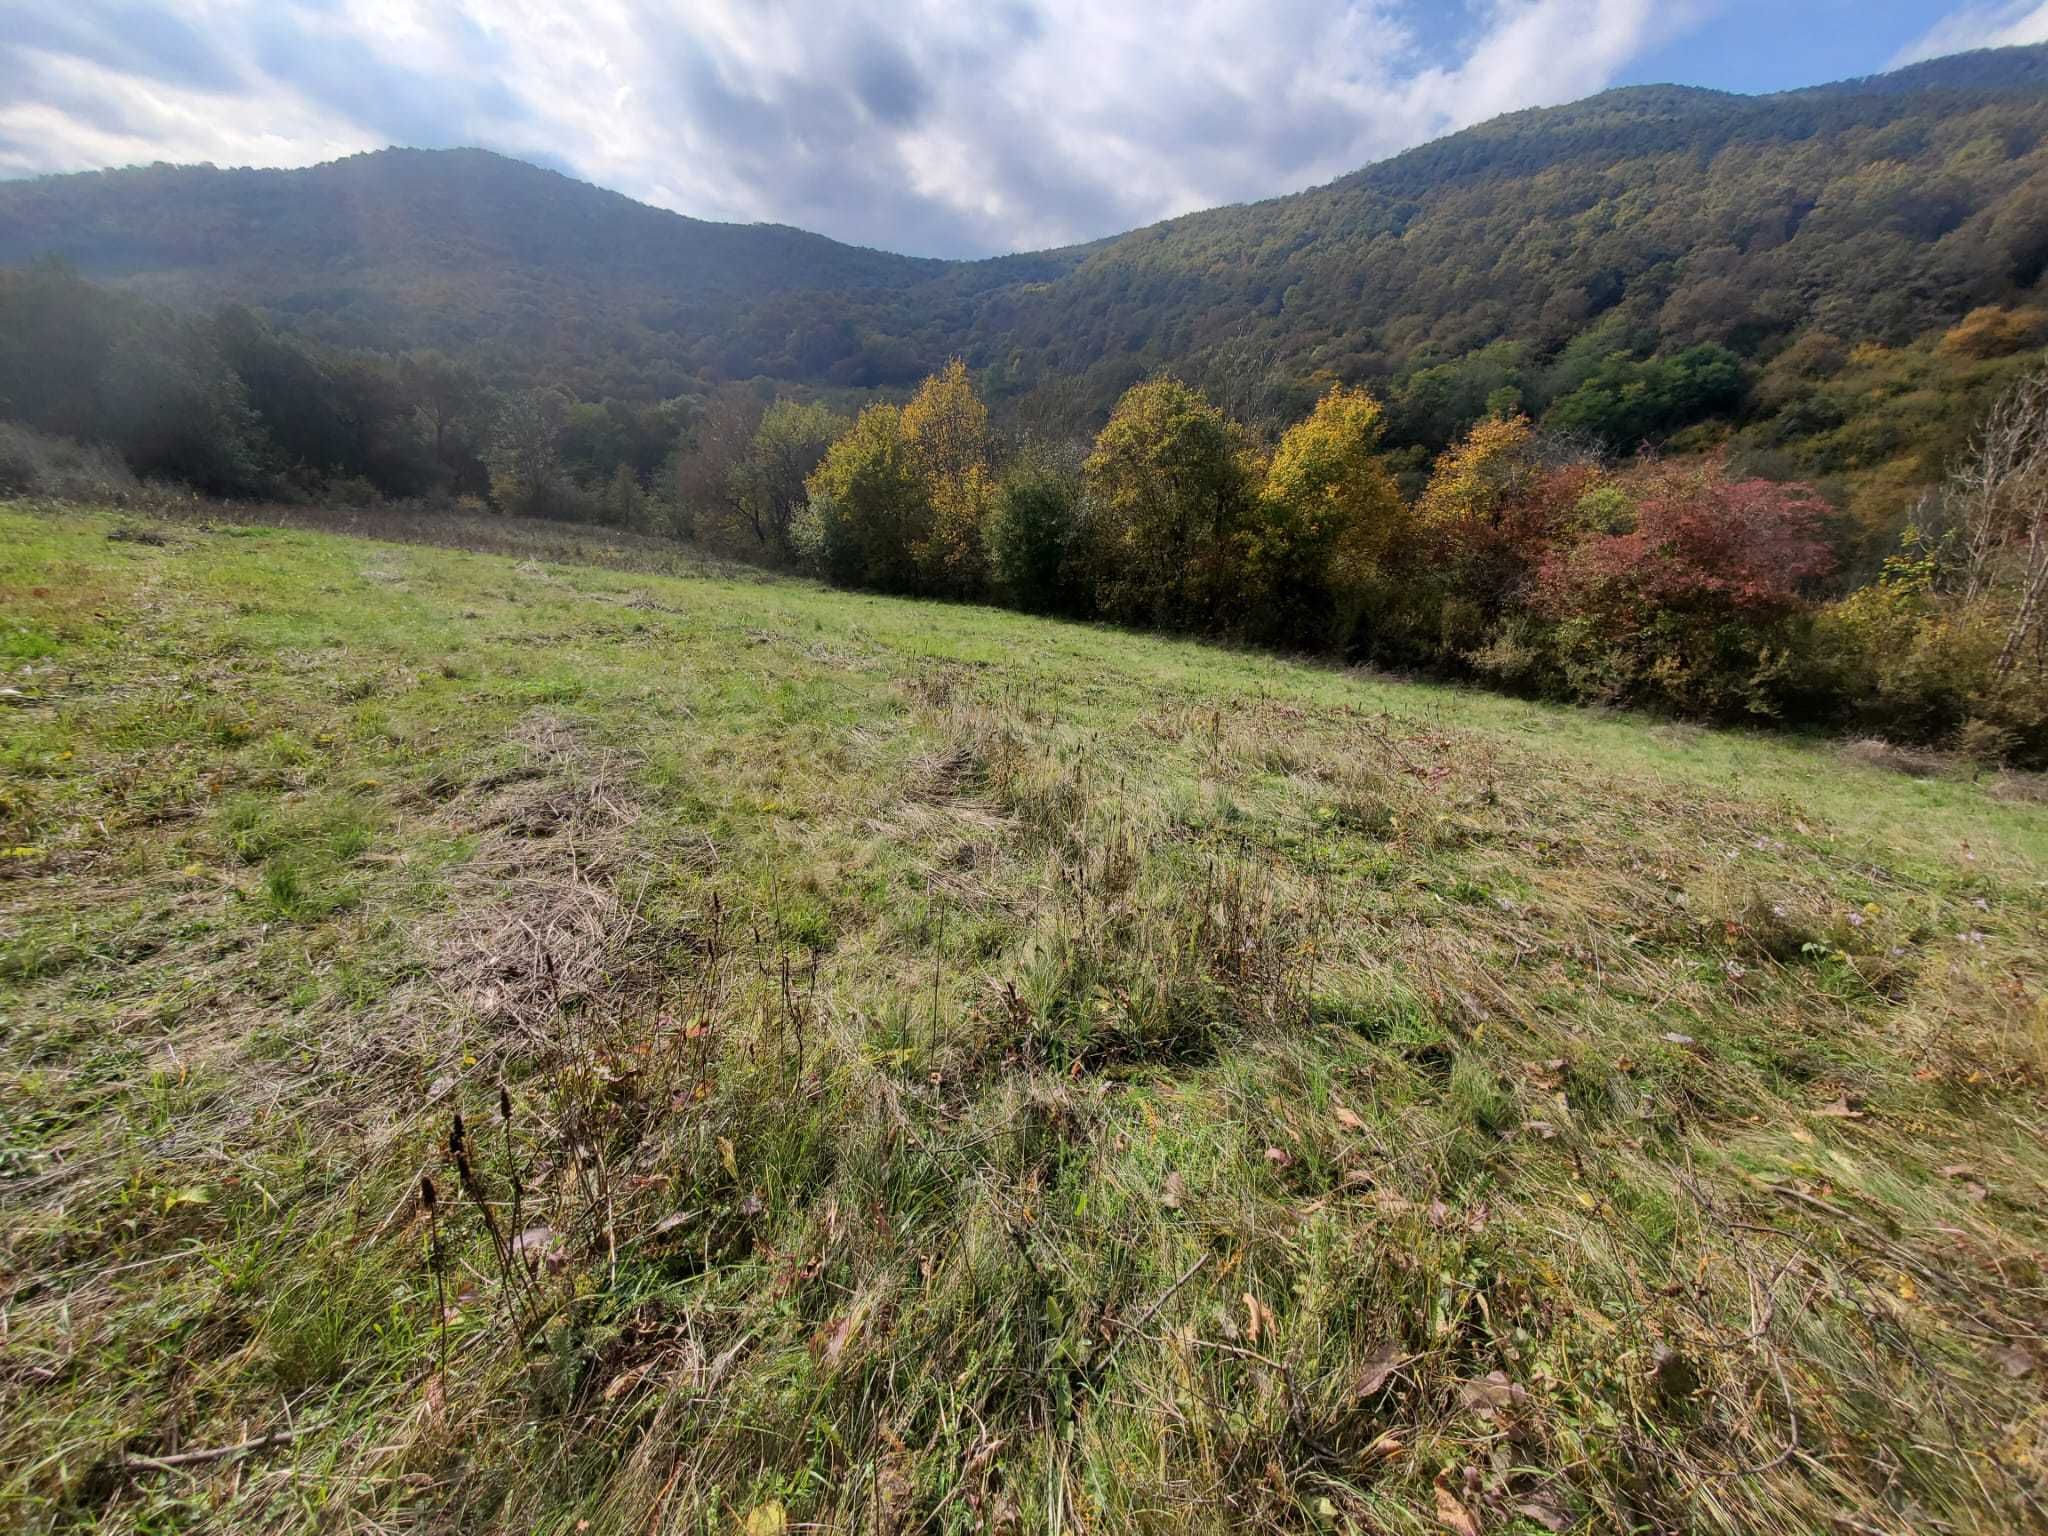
946,426
1170,489
1692,607
766,481
1997,501
1330,521
870,507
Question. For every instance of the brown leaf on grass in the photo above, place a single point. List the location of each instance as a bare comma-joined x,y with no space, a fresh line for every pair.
1278,1157
1376,1369
1839,1110
834,1337
2014,1361
1451,1513
1491,1393
537,1246
1346,1118
1546,1074
1174,1191
1385,1448
1673,1037
1546,1511
625,1382
1259,1319
1971,1188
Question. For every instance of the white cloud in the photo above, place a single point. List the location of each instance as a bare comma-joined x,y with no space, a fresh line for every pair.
918,125
1981,26
136,119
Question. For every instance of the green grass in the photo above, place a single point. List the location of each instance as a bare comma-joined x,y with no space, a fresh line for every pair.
969,1073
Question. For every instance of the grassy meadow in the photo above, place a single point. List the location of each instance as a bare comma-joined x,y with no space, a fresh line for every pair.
926,1069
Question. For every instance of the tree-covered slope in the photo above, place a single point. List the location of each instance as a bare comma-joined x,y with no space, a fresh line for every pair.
535,273
1673,216
1523,254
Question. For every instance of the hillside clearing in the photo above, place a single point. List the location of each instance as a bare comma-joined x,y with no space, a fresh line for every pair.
929,1069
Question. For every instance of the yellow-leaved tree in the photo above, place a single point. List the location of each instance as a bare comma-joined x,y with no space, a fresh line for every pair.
1332,522
868,511
946,427
1170,490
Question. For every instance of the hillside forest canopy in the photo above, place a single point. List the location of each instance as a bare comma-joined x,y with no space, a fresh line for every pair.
1719,405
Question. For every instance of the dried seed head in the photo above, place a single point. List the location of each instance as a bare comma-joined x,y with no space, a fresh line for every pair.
428,1198
505,1103
455,1137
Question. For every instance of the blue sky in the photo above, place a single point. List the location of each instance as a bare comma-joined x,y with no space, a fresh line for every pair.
933,126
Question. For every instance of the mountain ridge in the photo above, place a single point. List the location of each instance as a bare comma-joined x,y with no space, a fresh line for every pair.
1985,69
1872,208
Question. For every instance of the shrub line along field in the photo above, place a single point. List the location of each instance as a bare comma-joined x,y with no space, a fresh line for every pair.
508,1041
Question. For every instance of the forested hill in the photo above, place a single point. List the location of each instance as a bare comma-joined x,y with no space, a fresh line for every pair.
535,274
1647,219
1536,256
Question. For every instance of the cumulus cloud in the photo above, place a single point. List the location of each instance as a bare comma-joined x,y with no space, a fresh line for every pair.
918,125
1981,26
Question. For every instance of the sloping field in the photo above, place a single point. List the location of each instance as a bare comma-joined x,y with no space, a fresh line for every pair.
926,1069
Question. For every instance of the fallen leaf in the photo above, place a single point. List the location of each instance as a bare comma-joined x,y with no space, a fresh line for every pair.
767,1519
833,1341
440,1086
1677,1039
670,1222
1546,1511
1347,1119
1376,1369
2014,1361
1490,1393
732,1166
1385,1448
537,1246
1840,1110
1258,1319
1278,1157
1174,1191
620,1385
1453,1515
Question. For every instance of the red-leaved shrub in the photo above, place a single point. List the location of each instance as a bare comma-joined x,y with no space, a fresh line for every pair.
1696,607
